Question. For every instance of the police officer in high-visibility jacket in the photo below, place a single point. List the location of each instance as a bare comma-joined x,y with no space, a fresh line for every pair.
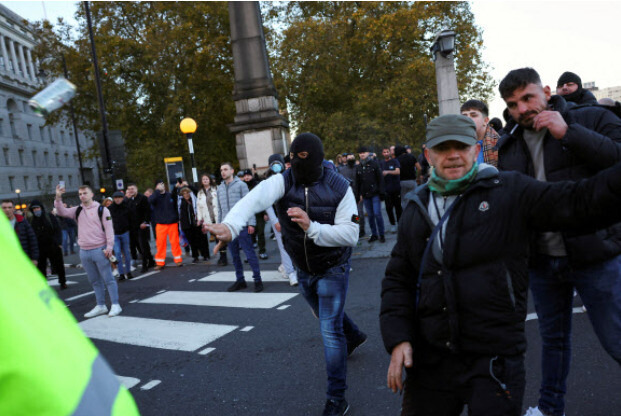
47,365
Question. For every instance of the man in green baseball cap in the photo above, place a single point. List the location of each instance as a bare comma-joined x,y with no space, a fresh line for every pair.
455,288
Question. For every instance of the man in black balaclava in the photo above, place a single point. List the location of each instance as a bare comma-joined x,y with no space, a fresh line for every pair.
569,86
319,224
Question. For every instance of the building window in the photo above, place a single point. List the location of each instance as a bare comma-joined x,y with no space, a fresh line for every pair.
66,159
20,152
12,182
57,158
2,61
50,180
1,127
26,187
42,133
26,106
34,158
11,67
7,158
70,180
29,128
46,158
39,182
62,137
12,122
50,135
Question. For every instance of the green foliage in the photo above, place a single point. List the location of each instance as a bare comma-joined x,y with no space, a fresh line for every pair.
159,62
361,72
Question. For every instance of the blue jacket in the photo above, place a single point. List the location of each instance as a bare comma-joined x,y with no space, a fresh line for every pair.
164,208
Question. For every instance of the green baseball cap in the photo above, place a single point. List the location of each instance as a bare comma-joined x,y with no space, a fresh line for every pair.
451,127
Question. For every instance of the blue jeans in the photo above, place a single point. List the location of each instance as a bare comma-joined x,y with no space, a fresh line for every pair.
99,272
552,282
326,293
244,240
68,240
121,248
373,206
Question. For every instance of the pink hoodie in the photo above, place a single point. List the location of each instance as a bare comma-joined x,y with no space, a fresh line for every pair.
90,234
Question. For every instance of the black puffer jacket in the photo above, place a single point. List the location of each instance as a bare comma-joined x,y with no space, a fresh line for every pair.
592,143
46,227
27,237
121,217
475,301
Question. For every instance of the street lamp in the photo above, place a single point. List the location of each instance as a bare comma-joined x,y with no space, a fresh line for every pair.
446,78
188,127
19,198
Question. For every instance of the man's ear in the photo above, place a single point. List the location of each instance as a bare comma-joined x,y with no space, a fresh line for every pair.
548,92
428,157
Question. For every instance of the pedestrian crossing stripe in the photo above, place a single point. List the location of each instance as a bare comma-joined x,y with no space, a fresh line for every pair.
222,299
54,282
266,276
154,333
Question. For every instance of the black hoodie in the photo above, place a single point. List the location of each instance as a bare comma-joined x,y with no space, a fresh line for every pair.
46,227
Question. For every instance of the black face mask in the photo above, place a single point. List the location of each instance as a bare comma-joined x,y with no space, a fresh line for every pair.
574,96
351,162
307,171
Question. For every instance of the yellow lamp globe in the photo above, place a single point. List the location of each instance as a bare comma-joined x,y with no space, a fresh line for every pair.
187,126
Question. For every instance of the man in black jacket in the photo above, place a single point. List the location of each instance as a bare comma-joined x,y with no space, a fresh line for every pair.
121,222
24,231
350,171
553,142
141,217
50,239
370,182
455,291
569,85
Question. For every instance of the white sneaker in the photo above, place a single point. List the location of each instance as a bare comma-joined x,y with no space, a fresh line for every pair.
115,272
282,271
115,309
132,268
534,411
293,279
96,311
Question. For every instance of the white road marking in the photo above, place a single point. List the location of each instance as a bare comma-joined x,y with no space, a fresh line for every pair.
145,275
283,307
533,315
154,333
206,351
162,291
134,301
128,382
150,385
191,280
246,328
80,296
266,276
54,282
225,299
76,274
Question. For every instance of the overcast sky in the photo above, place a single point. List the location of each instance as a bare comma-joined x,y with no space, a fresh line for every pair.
551,36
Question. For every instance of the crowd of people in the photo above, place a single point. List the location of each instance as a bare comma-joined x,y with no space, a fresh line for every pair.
483,214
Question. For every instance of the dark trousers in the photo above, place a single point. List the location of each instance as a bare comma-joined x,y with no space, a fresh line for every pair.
55,255
134,243
441,384
198,243
259,233
393,201
144,240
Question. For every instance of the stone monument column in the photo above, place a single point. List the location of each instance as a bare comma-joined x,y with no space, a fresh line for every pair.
260,130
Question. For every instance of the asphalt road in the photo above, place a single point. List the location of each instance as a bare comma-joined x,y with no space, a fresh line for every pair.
231,359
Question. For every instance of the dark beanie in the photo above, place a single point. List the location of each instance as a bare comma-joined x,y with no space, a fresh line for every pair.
35,204
308,142
277,157
569,77
363,149
158,181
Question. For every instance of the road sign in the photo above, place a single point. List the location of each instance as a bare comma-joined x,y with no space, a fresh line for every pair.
119,185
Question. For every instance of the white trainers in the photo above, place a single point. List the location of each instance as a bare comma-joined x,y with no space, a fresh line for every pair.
115,309
534,411
282,271
293,279
115,272
96,311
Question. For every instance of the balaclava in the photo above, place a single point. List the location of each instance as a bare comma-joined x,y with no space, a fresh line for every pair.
307,171
570,77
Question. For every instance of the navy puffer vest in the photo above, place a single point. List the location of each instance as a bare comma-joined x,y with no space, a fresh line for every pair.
320,202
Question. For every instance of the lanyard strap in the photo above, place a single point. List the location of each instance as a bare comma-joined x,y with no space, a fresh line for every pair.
430,241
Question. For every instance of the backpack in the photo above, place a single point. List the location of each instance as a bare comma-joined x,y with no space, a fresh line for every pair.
99,211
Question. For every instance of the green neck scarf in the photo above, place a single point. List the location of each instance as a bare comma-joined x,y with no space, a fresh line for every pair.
446,187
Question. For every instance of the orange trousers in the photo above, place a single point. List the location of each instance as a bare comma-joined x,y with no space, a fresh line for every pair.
172,232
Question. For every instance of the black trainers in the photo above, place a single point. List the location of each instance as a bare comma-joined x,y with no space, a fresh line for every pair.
258,286
63,286
373,238
263,256
382,239
237,286
129,276
121,277
351,347
336,408
222,262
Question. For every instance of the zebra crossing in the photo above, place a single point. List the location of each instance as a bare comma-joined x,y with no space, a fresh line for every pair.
184,336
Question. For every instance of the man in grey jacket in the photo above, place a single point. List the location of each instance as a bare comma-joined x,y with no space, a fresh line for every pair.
232,190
